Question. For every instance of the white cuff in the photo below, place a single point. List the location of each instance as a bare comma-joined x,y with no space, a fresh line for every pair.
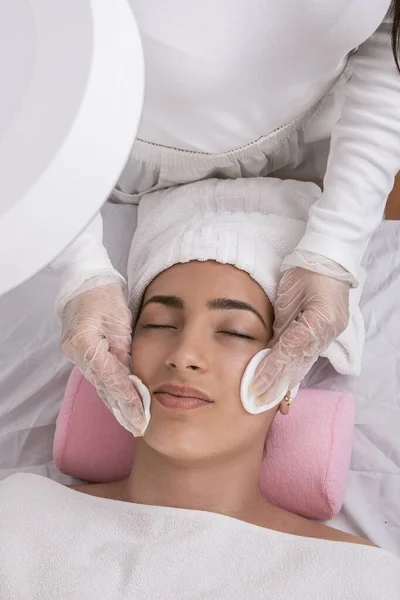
336,250
318,264
84,265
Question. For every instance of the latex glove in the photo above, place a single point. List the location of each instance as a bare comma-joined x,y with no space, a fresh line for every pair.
311,311
97,338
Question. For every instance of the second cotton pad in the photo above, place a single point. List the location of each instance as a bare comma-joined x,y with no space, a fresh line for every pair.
126,413
249,401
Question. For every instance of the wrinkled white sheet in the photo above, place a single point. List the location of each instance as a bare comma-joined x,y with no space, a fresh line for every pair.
33,375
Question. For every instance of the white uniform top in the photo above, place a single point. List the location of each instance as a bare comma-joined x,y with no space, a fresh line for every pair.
222,73
59,544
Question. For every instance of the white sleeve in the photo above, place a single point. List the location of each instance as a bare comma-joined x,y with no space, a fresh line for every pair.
364,157
84,265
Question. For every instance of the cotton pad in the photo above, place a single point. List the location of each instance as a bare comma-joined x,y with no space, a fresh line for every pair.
249,401
126,414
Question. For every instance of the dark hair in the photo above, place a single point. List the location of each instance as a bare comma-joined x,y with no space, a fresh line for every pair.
396,31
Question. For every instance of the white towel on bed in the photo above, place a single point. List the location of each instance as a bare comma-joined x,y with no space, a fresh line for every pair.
59,544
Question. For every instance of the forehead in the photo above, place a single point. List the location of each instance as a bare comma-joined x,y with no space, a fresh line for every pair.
198,282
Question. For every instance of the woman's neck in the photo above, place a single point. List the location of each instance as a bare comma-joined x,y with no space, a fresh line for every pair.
229,487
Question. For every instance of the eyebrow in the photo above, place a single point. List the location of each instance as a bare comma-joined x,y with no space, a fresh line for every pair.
215,304
231,304
171,301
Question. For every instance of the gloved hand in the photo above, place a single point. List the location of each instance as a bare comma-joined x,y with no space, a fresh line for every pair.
311,311
97,337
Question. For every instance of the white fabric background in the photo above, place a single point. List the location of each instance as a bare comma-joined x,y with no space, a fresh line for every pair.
33,375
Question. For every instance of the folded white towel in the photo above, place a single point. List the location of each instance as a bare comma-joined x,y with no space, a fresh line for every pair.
253,224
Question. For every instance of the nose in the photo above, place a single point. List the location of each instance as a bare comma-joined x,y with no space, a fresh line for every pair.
189,352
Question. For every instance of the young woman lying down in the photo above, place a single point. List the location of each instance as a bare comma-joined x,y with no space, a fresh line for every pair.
190,521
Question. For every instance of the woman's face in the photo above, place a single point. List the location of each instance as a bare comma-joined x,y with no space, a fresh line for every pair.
200,324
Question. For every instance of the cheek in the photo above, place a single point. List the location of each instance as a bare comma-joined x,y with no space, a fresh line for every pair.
229,370
145,356
235,426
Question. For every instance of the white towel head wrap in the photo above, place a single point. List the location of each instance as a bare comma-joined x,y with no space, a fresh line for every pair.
252,224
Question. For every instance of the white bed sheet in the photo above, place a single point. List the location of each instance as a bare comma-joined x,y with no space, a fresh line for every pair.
33,376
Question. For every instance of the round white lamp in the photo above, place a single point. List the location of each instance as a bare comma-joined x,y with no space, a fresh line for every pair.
72,79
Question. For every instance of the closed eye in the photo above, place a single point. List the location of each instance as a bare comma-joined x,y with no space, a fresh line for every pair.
237,334
157,326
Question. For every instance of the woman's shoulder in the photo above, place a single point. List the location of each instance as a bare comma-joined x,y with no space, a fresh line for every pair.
293,524
319,531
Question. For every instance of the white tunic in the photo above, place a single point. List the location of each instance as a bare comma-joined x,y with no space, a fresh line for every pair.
222,73
59,544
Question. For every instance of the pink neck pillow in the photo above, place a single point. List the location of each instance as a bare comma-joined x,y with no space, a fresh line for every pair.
305,468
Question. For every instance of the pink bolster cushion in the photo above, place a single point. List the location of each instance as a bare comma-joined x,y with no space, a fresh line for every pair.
305,468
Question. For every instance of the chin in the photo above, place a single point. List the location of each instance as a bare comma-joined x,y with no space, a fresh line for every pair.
173,444
180,435
177,440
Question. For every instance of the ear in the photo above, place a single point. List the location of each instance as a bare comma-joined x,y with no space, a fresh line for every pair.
284,408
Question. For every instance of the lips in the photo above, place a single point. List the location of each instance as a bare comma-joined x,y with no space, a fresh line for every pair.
178,396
